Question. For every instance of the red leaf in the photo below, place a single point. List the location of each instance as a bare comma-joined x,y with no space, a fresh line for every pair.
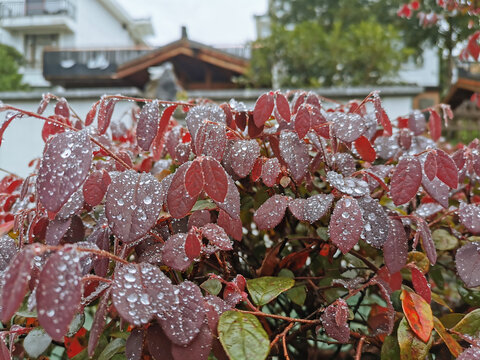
211,140
420,283
467,261
59,283
302,121
365,149
8,119
231,204
228,115
199,218
395,249
91,115
311,209
215,177
271,212
173,252
199,115
295,154
334,320
216,236
418,313
125,157
232,227
253,130
283,108
376,222
147,125
270,171
105,115
447,171
193,245
62,109
199,348
243,154
159,346
346,224
241,120
263,109
470,217
134,344
406,180
95,187
473,47
394,280
178,201
51,128
430,166
424,232
435,125
65,165
194,179
437,190
75,344
347,127
159,140
15,281
381,115
416,122
257,169
133,204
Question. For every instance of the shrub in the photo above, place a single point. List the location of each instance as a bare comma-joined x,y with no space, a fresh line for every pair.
303,228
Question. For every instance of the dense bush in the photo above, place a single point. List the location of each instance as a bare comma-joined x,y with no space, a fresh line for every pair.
302,229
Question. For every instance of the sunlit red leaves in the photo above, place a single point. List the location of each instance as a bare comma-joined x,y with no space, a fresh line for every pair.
65,165
467,261
59,292
469,215
16,278
271,212
447,171
263,108
365,149
95,187
133,204
334,320
418,313
346,224
147,125
406,180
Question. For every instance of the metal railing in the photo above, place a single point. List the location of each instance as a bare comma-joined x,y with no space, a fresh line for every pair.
76,63
34,8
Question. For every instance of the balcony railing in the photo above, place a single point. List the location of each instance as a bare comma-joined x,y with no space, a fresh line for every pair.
61,63
48,7
468,70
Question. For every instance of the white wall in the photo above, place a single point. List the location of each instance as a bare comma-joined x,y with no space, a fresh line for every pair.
424,74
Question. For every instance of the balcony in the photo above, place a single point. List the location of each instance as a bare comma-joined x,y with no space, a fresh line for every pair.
75,67
32,16
468,70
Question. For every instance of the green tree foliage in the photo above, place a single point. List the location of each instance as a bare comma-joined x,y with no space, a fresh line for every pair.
11,59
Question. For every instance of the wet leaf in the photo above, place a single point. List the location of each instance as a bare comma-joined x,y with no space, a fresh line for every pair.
467,261
98,323
346,224
437,190
211,140
140,292
244,153
263,109
375,220
334,320
348,185
134,344
411,347
472,353
423,231
15,281
452,344
242,336
159,346
271,212
469,216
56,230
265,289
36,342
198,115
183,321
95,187
217,236
133,204
65,165
8,250
447,171
147,125
194,179
105,113
231,204
115,346
311,209
295,154
347,127
282,106
430,166
233,227
212,286
193,245
395,249
178,201
199,348
302,121
420,284
216,180
270,171
365,149
59,292
406,180
417,122
435,125
418,313
470,324
173,253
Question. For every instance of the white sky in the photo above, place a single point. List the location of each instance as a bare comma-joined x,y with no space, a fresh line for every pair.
212,22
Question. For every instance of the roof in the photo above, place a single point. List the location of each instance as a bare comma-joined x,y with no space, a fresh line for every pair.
463,89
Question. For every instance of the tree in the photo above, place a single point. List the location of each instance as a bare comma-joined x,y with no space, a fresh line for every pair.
10,79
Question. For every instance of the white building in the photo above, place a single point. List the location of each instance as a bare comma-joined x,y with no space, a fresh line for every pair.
95,32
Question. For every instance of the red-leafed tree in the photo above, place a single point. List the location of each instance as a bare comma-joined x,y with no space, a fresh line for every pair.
293,229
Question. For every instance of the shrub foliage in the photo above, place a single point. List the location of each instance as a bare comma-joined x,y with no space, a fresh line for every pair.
301,228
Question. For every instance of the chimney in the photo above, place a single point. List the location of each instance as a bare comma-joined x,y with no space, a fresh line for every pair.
184,32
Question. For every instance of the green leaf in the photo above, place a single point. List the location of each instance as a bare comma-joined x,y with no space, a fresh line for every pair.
36,342
212,286
450,320
444,240
242,336
411,347
297,294
470,324
112,348
265,289
204,205
390,349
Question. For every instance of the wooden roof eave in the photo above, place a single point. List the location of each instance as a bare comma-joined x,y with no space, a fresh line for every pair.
462,84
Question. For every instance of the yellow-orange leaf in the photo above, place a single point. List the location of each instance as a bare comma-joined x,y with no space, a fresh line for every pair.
451,343
418,313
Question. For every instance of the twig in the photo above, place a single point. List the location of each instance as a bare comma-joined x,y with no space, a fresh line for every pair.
359,348
367,262
280,317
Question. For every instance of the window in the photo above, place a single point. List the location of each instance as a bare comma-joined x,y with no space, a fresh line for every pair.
34,45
